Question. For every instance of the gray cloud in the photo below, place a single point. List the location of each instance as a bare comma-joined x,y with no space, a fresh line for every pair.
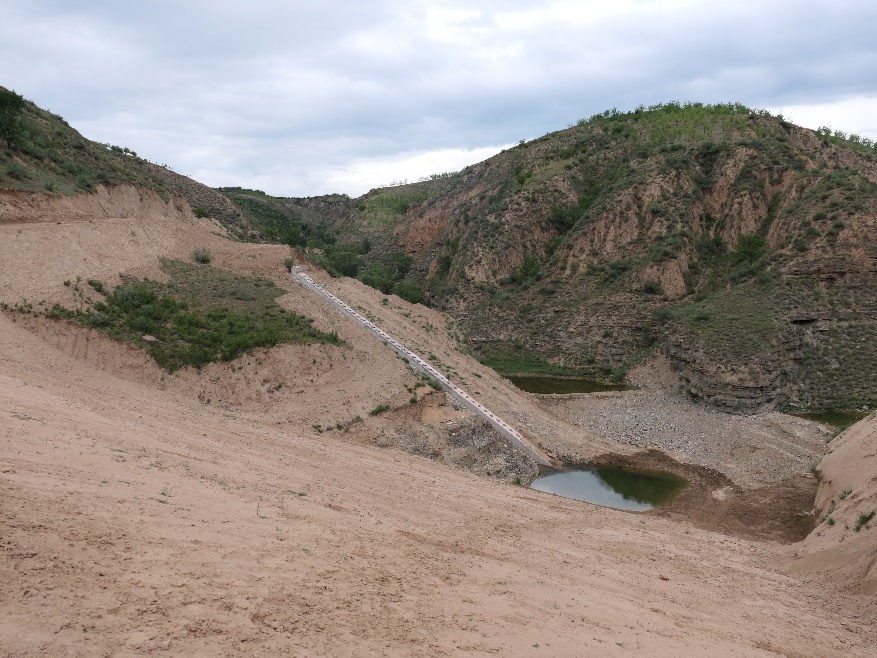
296,96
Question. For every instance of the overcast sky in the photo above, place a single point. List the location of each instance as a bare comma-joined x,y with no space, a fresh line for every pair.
303,98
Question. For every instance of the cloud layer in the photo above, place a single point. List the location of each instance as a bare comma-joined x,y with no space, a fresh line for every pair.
308,98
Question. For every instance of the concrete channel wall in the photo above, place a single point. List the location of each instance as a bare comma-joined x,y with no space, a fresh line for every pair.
459,395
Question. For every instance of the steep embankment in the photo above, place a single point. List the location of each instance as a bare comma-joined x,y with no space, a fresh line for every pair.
732,240
844,546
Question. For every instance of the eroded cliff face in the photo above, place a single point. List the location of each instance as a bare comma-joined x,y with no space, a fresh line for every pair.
107,202
588,249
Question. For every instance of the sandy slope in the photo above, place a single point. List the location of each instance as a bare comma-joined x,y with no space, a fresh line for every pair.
137,518
848,489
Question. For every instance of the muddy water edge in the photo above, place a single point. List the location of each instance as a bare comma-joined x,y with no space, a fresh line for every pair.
782,512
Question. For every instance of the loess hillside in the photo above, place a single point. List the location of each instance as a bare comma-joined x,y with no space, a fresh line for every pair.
731,240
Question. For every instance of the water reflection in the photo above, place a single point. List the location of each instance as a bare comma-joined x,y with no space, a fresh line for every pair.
611,486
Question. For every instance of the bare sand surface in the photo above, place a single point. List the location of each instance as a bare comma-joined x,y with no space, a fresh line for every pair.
200,514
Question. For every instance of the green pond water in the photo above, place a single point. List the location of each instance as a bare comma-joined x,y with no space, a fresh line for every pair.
546,384
838,419
613,486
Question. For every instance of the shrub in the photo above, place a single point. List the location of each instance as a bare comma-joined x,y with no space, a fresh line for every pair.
98,320
201,255
709,246
377,276
750,248
662,315
15,170
432,383
381,408
843,494
863,520
343,262
617,268
410,292
289,262
527,273
200,212
651,287
11,110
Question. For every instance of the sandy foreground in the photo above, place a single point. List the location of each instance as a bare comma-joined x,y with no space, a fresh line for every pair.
137,518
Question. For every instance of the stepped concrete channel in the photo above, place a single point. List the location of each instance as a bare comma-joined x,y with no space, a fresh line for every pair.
460,396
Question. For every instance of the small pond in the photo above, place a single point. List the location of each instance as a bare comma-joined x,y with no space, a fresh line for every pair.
546,384
839,419
613,486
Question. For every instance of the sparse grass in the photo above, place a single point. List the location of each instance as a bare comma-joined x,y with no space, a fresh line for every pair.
508,358
202,315
381,408
843,494
864,519
836,373
52,157
737,323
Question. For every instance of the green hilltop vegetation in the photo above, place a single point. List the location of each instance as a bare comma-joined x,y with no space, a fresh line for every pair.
44,154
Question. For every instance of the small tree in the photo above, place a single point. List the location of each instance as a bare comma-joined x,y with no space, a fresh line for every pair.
11,109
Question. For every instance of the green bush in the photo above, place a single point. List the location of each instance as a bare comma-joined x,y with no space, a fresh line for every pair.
15,170
528,273
750,248
410,292
863,520
200,212
11,110
651,287
343,261
378,277
201,255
